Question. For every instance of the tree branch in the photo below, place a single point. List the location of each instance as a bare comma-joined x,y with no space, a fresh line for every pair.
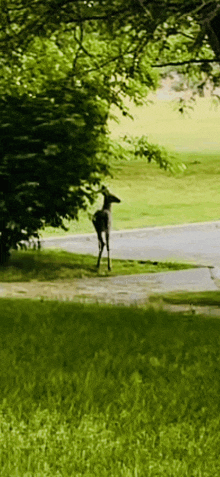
104,63
187,62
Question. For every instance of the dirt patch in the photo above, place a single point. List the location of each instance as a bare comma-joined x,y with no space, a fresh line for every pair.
97,290
123,290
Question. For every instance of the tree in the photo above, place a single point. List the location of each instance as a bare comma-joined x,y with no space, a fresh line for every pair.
63,64
52,151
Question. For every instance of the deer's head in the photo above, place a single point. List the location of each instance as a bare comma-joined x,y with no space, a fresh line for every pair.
108,196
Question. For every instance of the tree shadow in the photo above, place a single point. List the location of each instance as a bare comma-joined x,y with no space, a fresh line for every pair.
47,265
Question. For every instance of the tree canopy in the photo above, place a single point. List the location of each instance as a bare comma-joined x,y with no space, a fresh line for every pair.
119,43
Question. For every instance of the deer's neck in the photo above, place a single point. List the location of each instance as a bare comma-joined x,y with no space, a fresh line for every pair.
106,205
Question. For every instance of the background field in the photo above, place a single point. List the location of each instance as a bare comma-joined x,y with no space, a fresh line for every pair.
195,131
151,196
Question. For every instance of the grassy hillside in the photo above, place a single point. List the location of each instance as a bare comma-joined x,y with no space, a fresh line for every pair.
151,196
196,131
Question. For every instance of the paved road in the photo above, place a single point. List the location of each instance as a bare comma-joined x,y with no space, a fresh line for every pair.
199,243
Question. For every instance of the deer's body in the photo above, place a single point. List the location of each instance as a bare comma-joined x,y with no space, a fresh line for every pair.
102,223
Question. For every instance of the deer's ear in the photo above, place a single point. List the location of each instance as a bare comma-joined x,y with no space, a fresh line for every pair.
104,190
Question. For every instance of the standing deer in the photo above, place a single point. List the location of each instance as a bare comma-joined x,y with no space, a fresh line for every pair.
102,223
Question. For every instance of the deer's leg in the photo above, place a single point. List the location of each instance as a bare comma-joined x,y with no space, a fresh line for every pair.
101,246
108,250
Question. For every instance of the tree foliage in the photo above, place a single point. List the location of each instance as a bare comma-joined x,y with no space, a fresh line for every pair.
126,33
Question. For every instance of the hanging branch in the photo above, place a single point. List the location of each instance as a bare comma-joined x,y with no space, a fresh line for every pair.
186,62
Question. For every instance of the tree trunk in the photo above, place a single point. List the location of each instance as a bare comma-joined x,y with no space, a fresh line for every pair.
4,248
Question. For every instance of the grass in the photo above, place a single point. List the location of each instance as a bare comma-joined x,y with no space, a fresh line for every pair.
207,298
111,391
58,264
150,196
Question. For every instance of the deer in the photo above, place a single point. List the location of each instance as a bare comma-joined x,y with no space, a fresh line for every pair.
102,223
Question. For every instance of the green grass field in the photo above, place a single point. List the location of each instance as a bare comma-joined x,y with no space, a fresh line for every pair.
194,132
107,391
150,196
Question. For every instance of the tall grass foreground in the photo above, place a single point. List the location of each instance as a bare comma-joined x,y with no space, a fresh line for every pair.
107,391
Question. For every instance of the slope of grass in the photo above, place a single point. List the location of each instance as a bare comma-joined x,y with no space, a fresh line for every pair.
117,392
196,131
150,196
58,264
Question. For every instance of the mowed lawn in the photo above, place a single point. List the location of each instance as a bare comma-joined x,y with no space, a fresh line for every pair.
150,196
107,391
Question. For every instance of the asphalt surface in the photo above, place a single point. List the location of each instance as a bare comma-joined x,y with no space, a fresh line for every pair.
197,243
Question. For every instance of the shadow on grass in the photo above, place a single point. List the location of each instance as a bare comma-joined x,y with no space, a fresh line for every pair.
47,265
61,265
